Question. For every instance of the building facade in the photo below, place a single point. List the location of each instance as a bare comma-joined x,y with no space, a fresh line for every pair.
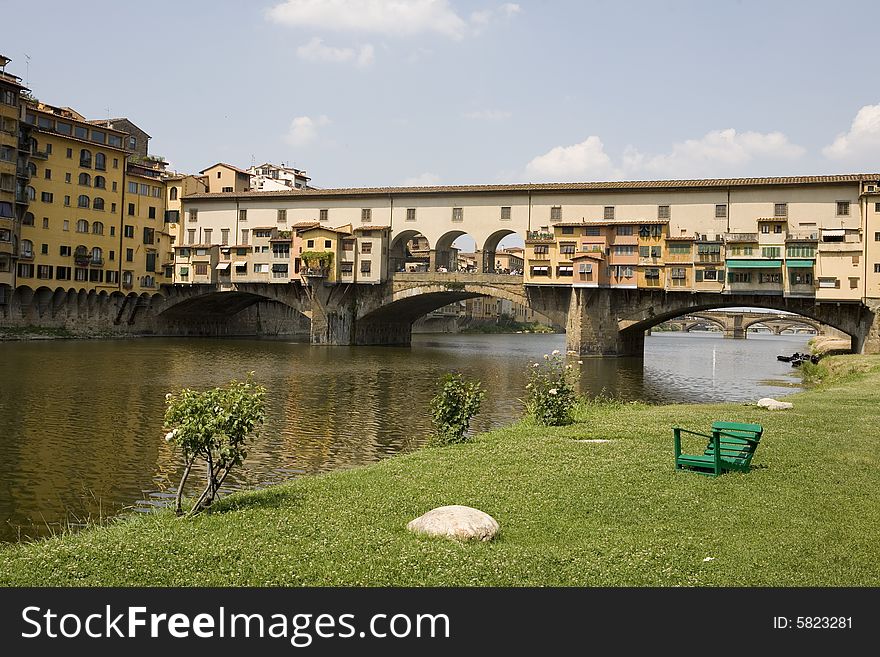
15,148
271,178
800,236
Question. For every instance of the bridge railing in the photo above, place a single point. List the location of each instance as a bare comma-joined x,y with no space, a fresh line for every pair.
456,277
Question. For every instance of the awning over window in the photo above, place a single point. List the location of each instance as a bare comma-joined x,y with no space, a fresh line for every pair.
833,232
565,270
184,271
537,269
279,268
799,263
222,266
240,263
754,264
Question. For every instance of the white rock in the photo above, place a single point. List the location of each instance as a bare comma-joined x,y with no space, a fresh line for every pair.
774,405
456,521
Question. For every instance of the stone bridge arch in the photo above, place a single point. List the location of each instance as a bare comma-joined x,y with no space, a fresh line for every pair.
242,309
613,322
769,322
387,315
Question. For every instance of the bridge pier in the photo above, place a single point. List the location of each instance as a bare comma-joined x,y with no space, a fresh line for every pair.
733,328
593,328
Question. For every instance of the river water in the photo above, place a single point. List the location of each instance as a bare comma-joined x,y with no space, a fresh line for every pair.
81,421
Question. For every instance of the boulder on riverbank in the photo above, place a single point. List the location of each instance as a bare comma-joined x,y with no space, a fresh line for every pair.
774,405
456,521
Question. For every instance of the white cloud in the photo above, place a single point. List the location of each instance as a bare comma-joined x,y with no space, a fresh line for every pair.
366,55
482,18
510,9
716,153
582,161
304,130
487,115
316,51
390,17
426,179
862,140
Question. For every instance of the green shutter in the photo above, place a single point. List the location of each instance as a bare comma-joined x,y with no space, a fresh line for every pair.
698,275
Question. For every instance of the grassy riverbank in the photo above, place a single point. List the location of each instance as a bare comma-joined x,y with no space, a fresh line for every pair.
572,513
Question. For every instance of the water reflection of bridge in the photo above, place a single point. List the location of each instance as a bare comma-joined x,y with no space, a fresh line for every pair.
737,324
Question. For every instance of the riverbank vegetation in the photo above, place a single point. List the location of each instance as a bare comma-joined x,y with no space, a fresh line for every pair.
506,324
572,511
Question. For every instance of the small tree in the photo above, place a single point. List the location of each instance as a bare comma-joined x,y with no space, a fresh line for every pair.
551,392
452,409
213,426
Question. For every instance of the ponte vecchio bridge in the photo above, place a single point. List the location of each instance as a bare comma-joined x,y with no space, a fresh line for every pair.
606,260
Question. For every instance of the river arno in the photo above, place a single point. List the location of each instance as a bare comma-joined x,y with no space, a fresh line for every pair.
81,421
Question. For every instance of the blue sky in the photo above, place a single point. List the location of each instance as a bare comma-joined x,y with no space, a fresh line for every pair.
383,92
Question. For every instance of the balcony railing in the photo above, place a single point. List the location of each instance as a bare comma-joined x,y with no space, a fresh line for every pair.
740,237
802,237
317,272
96,262
539,236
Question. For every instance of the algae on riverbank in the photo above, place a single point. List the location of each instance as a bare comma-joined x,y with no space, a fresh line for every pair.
572,513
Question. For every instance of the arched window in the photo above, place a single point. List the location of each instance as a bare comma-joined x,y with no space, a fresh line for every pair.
27,249
85,158
28,219
100,161
97,256
173,195
85,179
31,193
97,228
82,201
32,169
98,203
100,182
82,226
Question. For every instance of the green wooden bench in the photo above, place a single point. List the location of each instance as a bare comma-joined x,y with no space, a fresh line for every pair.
731,447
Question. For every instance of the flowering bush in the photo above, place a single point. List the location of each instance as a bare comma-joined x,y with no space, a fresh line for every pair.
213,426
551,391
452,408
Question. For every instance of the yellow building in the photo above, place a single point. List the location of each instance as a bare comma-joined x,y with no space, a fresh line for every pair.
178,185
70,235
147,251
14,174
223,177
323,240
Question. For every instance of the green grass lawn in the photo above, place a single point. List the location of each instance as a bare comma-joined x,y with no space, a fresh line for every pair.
571,513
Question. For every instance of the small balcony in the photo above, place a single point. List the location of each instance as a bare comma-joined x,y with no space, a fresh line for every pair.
803,236
741,237
316,272
539,236
96,262
26,255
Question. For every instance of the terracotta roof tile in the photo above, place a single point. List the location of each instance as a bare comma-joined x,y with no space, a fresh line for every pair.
551,187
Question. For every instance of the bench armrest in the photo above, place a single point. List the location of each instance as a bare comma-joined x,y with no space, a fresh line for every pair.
694,433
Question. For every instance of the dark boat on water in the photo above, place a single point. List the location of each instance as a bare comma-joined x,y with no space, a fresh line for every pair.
796,359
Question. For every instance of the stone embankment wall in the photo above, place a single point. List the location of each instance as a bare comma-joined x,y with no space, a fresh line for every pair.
109,315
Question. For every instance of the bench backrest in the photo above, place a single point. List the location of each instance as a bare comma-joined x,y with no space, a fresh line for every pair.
733,440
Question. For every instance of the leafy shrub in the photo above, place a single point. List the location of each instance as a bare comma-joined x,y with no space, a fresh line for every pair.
551,391
452,409
213,426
